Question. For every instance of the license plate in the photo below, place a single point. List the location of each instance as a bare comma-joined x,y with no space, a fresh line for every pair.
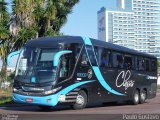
29,100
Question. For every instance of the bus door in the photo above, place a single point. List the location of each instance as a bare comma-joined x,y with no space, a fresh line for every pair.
85,71
68,62
84,66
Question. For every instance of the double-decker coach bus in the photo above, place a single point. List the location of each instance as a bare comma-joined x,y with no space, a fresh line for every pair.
79,70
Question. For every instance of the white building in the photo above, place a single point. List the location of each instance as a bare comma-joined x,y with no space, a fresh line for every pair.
134,24
116,27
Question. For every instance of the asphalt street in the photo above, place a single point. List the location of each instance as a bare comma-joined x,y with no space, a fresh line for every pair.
95,112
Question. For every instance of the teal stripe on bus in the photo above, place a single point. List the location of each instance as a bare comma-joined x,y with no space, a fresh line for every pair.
97,71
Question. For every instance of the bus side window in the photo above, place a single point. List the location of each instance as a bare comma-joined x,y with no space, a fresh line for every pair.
84,61
153,65
147,64
91,55
118,60
109,57
129,62
104,59
114,58
63,73
141,64
97,53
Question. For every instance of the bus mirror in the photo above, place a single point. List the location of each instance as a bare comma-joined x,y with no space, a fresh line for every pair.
11,55
58,55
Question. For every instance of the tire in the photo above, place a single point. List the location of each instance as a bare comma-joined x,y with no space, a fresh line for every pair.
143,96
46,108
81,101
135,98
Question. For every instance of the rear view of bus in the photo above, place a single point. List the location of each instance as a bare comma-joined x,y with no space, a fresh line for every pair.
68,70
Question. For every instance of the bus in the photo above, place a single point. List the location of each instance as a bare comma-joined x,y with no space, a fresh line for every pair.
78,71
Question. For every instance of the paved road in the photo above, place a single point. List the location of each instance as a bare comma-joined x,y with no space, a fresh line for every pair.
25,112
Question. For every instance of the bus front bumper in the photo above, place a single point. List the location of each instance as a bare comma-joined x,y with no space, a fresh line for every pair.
50,100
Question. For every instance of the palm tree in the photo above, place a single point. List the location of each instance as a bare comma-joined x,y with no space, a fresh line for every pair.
31,18
24,35
4,35
54,15
63,9
4,16
3,54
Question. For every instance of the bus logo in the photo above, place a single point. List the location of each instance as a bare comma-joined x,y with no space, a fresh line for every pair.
123,80
90,73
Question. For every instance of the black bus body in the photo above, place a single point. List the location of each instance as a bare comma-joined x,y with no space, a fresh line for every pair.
79,70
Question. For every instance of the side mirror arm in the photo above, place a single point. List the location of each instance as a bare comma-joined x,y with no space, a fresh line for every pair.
11,55
58,55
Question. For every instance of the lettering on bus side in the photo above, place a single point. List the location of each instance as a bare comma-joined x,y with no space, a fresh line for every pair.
151,77
84,75
123,80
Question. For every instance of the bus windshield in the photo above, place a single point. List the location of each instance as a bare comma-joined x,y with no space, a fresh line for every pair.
35,65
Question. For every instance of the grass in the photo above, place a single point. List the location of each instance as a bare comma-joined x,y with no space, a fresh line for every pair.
4,100
5,96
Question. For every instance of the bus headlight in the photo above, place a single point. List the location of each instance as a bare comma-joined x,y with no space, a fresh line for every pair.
15,90
52,91
62,98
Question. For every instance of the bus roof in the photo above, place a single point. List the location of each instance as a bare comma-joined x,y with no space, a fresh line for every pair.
50,42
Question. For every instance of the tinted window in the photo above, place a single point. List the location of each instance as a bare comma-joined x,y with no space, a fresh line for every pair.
91,55
68,61
140,63
104,57
147,65
97,54
128,62
118,60
84,59
153,65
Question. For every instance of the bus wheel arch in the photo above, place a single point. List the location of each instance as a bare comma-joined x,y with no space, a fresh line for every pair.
86,91
82,99
145,89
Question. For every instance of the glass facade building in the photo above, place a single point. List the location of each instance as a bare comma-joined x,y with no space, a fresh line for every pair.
134,24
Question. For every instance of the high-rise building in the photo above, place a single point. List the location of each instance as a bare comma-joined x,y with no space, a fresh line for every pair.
134,24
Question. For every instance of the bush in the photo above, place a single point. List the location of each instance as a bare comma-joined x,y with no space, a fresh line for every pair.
5,100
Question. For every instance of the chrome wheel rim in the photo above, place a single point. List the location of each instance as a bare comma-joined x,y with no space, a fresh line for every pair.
143,96
80,100
136,97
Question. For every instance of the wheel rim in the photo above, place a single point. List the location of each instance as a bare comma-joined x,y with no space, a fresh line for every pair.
143,96
136,97
80,100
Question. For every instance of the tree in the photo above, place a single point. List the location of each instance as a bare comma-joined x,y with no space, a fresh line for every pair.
45,16
30,19
4,35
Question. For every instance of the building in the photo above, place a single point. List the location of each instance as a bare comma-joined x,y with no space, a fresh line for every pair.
134,24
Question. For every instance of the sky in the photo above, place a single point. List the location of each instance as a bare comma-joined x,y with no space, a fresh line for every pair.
83,19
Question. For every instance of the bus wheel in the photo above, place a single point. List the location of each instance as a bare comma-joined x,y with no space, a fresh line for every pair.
135,98
47,108
81,101
143,96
